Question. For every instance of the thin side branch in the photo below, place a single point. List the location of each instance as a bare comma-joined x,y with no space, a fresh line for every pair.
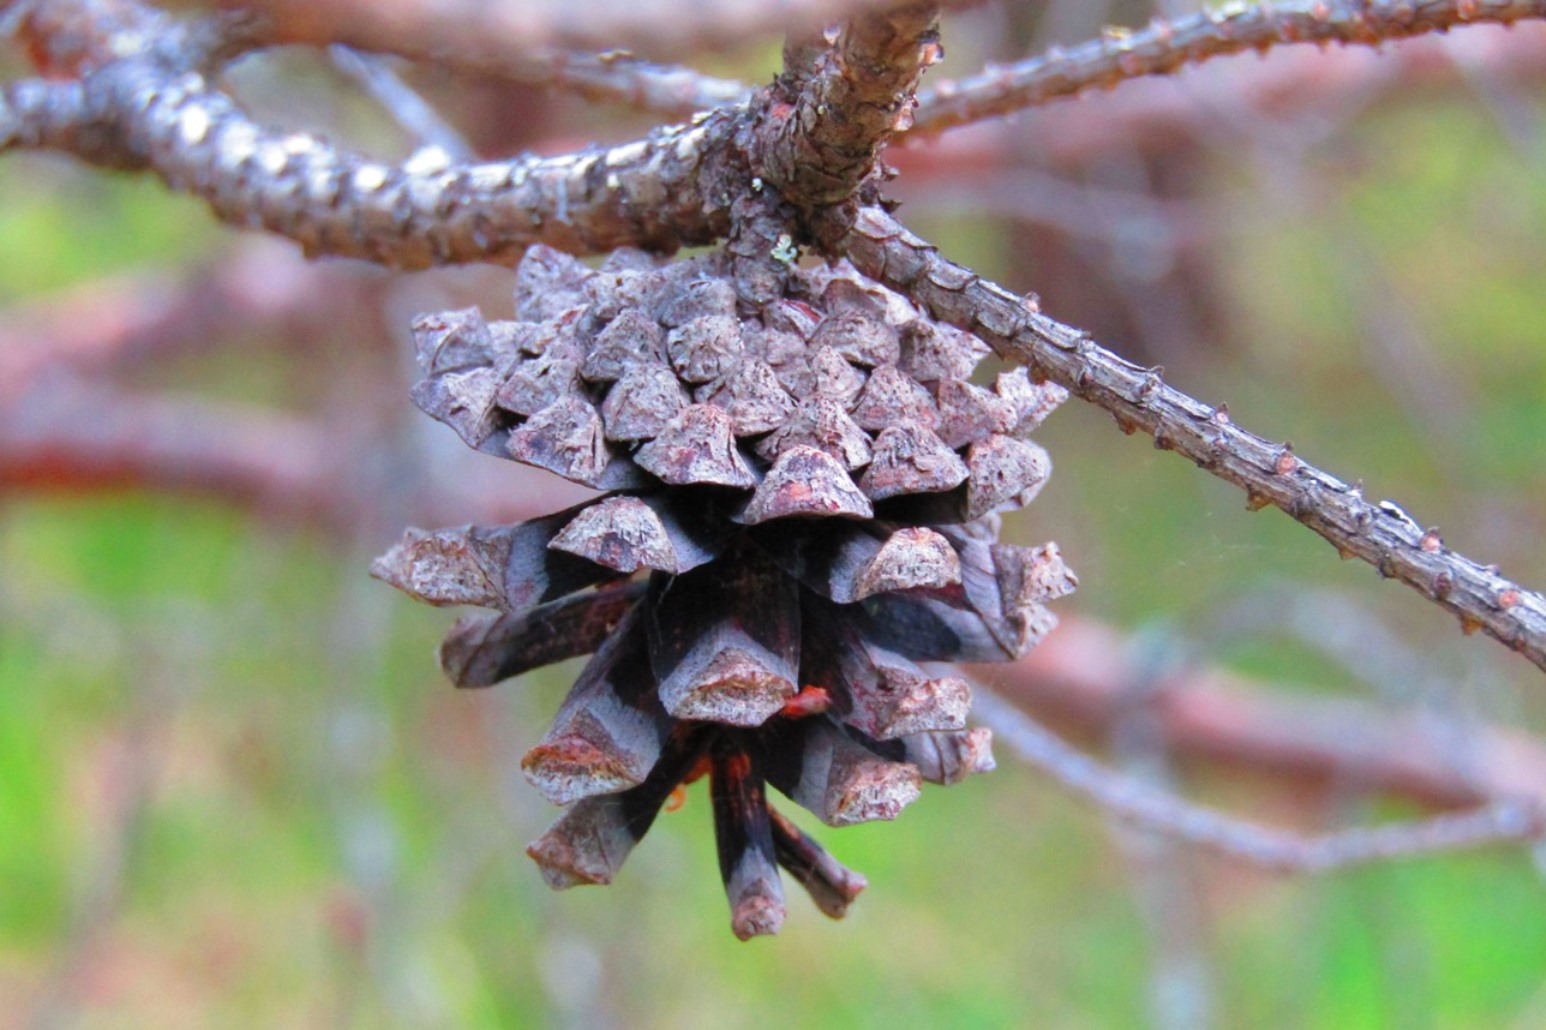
493,32
1139,399
1229,98
611,76
414,115
621,78
1165,47
1503,822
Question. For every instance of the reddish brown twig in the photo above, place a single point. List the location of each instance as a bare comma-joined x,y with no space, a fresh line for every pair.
473,30
1164,47
119,321
1511,821
1139,399
73,438
1077,680
264,459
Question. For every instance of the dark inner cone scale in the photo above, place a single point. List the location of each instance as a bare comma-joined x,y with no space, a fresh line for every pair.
799,513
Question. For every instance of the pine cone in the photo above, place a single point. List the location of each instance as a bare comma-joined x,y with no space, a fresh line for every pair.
812,489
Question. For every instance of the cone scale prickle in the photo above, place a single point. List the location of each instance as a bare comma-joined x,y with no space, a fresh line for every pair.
800,506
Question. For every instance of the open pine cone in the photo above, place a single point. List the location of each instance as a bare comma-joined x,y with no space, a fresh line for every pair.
812,487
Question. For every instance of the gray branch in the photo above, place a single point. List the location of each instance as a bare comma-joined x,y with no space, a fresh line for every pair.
35,114
1140,400
139,109
820,136
1165,47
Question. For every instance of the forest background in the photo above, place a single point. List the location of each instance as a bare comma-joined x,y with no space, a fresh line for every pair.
234,787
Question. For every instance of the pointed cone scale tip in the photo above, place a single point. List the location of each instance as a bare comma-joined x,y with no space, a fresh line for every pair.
757,915
752,397
565,437
1003,470
621,533
451,566
934,705
697,447
705,348
572,767
843,891
911,460
563,865
860,338
836,890
451,339
833,377
629,340
843,782
1045,576
891,397
820,422
642,403
935,353
733,688
463,400
948,758
1030,402
806,481
547,282
538,383
967,413
914,557
877,791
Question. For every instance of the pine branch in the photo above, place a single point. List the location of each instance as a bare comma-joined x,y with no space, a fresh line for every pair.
1512,821
1139,399
820,135
1166,47
296,469
676,188
1225,101
144,111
